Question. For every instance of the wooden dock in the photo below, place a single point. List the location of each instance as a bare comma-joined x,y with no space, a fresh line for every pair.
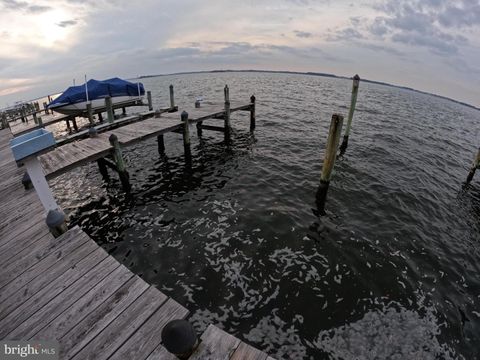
77,153
68,288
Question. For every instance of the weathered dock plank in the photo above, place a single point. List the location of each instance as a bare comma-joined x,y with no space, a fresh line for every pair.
216,345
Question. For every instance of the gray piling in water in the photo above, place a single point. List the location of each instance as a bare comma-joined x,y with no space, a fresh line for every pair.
226,92
108,106
57,222
40,121
199,129
186,137
329,160
252,113
149,99
179,338
35,120
74,122
90,113
172,99
353,102
161,144
474,167
119,162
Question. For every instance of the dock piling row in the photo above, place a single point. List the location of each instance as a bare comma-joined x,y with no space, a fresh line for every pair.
353,102
119,162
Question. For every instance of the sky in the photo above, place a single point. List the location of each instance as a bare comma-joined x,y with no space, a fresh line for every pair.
429,45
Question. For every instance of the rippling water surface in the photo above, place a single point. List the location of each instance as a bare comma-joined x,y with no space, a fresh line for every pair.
392,271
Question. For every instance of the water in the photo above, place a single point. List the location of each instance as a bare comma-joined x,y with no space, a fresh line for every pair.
390,273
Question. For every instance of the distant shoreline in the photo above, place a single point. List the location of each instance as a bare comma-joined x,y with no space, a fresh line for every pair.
312,74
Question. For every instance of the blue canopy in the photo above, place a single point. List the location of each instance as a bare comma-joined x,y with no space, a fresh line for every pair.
97,90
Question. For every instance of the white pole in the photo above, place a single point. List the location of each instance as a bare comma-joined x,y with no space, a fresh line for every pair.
37,177
86,86
138,86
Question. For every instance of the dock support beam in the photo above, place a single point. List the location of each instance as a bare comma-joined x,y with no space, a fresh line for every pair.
90,113
475,166
149,98
252,113
172,99
108,105
353,102
226,92
186,138
119,162
329,160
102,167
161,144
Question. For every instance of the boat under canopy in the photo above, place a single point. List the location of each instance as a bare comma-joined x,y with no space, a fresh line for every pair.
73,101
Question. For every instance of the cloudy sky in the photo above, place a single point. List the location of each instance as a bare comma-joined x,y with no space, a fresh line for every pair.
430,45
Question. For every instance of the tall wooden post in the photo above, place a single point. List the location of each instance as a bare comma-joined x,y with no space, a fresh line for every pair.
149,98
186,138
161,144
34,115
74,122
226,92
474,167
40,121
120,163
102,167
353,102
172,99
199,129
90,113
329,160
252,113
108,105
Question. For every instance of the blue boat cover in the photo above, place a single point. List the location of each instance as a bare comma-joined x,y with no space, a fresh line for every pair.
97,90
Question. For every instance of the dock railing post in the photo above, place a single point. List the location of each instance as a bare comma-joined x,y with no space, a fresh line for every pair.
149,99
329,160
90,113
172,99
119,162
252,113
353,102
56,219
226,92
109,107
186,137
474,167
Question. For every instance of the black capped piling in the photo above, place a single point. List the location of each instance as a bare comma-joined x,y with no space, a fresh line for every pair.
329,160
92,132
226,92
109,107
186,137
474,167
179,338
120,163
149,99
252,113
57,222
353,102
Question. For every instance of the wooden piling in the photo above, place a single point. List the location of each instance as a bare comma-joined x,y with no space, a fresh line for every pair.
186,137
108,105
199,128
329,160
40,121
90,113
34,115
149,98
474,167
120,163
161,144
100,117
74,122
172,99
102,167
252,113
226,92
353,102
124,111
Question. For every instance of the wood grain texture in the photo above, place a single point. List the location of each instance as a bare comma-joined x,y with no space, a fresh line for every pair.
216,345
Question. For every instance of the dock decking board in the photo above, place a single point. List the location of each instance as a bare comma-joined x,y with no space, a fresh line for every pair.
69,289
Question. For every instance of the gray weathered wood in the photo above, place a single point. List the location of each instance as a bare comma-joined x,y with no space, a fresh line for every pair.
247,352
216,345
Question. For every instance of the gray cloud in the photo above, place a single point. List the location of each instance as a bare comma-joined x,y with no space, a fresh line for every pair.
37,9
347,34
67,23
22,5
302,34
